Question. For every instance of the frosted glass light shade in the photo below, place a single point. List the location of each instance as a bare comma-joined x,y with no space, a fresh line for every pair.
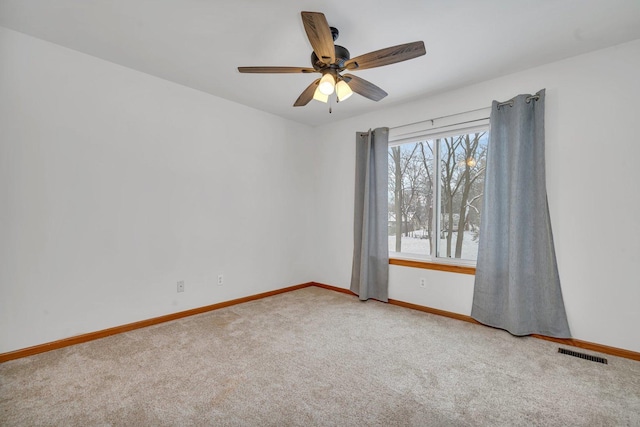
343,91
326,84
319,96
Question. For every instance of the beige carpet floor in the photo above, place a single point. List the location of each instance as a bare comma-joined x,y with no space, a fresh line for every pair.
315,357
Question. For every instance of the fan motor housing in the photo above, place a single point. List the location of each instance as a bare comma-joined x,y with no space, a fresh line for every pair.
342,55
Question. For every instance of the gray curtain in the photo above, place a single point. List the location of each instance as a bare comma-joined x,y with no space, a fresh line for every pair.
517,286
370,271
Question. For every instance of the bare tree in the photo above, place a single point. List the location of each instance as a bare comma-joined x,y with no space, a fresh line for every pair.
397,186
472,171
462,160
403,181
412,192
449,187
427,164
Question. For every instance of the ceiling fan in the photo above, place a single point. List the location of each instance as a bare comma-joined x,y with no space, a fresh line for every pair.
331,60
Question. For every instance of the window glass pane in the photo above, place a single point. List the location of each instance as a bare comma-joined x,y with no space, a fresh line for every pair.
411,195
462,165
449,189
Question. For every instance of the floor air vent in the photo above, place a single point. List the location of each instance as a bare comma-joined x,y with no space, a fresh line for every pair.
583,355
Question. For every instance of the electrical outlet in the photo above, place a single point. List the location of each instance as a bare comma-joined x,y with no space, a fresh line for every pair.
220,279
181,286
423,282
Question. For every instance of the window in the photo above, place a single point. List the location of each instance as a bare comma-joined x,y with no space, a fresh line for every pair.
435,194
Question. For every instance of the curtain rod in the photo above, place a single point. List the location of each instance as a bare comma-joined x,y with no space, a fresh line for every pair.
443,126
500,104
512,100
441,117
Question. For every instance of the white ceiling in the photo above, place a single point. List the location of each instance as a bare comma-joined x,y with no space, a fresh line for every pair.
199,43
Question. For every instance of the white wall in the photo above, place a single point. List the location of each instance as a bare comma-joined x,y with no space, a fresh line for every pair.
115,184
592,152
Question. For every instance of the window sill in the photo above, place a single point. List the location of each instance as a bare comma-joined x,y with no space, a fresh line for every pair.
461,269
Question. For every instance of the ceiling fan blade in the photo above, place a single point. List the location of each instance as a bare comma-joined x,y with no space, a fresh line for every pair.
386,56
307,94
276,70
364,88
319,34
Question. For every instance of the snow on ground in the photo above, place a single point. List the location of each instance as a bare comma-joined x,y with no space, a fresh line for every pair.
420,246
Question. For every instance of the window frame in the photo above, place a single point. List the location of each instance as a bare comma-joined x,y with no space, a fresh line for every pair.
427,131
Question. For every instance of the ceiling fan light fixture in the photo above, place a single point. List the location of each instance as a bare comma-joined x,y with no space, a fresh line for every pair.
327,84
319,96
330,60
343,91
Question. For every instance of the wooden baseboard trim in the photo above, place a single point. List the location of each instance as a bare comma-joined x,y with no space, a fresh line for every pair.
66,342
78,339
333,288
430,310
600,348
